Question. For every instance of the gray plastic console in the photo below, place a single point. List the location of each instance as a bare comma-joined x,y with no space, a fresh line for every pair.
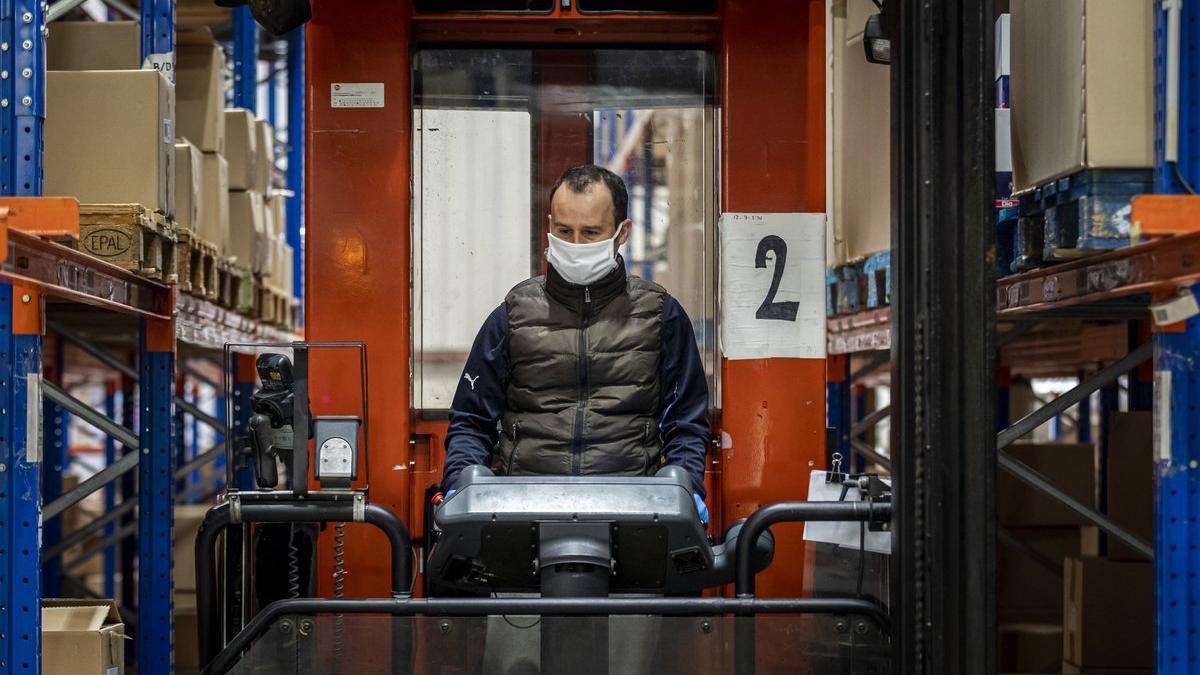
497,533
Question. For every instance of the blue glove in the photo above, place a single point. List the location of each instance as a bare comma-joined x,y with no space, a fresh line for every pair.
701,509
449,494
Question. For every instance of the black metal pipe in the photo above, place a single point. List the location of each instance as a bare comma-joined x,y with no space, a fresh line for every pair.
797,512
225,660
221,516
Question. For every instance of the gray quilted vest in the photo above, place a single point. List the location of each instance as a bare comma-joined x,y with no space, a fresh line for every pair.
583,389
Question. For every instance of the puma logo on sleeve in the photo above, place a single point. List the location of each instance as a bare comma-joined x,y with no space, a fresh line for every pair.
470,380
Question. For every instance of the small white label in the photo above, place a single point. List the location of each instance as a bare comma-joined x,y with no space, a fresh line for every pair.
33,417
773,285
1179,308
356,95
163,63
168,131
1162,415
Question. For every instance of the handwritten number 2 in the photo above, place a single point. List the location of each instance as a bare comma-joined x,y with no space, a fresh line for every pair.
769,309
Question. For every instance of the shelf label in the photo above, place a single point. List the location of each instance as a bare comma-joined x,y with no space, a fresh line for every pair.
1162,415
356,95
772,285
1179,308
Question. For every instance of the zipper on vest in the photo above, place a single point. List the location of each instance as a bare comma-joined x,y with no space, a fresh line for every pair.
581,392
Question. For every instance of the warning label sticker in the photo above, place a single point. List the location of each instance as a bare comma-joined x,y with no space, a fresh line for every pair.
356,95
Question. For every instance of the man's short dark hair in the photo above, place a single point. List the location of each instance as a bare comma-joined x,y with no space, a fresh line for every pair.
580,178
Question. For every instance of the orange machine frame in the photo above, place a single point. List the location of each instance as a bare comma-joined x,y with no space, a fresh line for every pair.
772,98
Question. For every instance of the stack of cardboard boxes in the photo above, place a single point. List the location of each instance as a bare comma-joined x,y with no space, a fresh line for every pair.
860,141
109,139
1066,602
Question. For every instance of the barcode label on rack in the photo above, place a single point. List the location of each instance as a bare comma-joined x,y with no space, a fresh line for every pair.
1179,308
1162,415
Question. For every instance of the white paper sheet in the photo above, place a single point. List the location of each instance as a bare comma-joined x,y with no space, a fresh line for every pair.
842,534
772,285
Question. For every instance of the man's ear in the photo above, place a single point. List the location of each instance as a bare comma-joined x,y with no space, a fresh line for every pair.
623,231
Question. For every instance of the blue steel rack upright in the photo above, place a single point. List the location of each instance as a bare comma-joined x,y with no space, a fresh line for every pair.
22,111
33,444
1176,390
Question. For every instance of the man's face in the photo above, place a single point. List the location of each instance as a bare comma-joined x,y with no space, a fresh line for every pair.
585,217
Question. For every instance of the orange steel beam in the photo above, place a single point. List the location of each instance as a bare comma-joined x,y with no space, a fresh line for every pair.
1159,215
56,217
773,145
357,248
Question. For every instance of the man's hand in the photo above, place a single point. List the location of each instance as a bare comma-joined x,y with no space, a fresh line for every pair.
700,508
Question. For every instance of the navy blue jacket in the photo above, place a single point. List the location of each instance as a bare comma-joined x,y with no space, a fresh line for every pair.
479,401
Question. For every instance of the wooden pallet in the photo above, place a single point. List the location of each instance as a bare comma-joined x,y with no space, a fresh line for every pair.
196,265
244,291
277,308
225,292
129,236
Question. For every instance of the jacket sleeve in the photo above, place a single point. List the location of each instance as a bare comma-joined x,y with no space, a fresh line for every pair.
684,396
479,400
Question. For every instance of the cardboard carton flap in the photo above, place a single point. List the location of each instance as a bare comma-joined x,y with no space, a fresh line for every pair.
64,614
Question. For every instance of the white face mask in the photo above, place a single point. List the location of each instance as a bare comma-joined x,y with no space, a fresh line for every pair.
582,264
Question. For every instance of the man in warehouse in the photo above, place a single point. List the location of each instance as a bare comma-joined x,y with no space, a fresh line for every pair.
583,371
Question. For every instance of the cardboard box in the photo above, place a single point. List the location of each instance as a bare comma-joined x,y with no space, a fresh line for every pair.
1108,609
1029,648
214,217
266,156
860,211
189,186
245,228
1131,479
188,518
110,138
94,45
241,149
1070,467
278,202
288,277
187,639
1028,591
269,225
82,636
200,92
1082,87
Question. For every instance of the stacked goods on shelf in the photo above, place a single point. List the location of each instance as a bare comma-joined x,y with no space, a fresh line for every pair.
1029,574
109,142
1130,488
279,304
1108,603
1082,123
200,82
195,257
94,45
1006,205
1109,608
860,208
246,226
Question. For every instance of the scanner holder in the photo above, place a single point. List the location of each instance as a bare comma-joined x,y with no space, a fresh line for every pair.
280,424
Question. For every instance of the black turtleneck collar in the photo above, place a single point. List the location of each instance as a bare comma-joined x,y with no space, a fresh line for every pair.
575,296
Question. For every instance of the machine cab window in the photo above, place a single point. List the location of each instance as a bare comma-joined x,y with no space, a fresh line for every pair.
493,129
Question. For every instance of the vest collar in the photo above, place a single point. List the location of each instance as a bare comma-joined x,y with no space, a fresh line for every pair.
577,297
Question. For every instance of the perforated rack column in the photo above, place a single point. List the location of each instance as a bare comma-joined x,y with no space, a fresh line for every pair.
1177,509
156,496
20,482
22,110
